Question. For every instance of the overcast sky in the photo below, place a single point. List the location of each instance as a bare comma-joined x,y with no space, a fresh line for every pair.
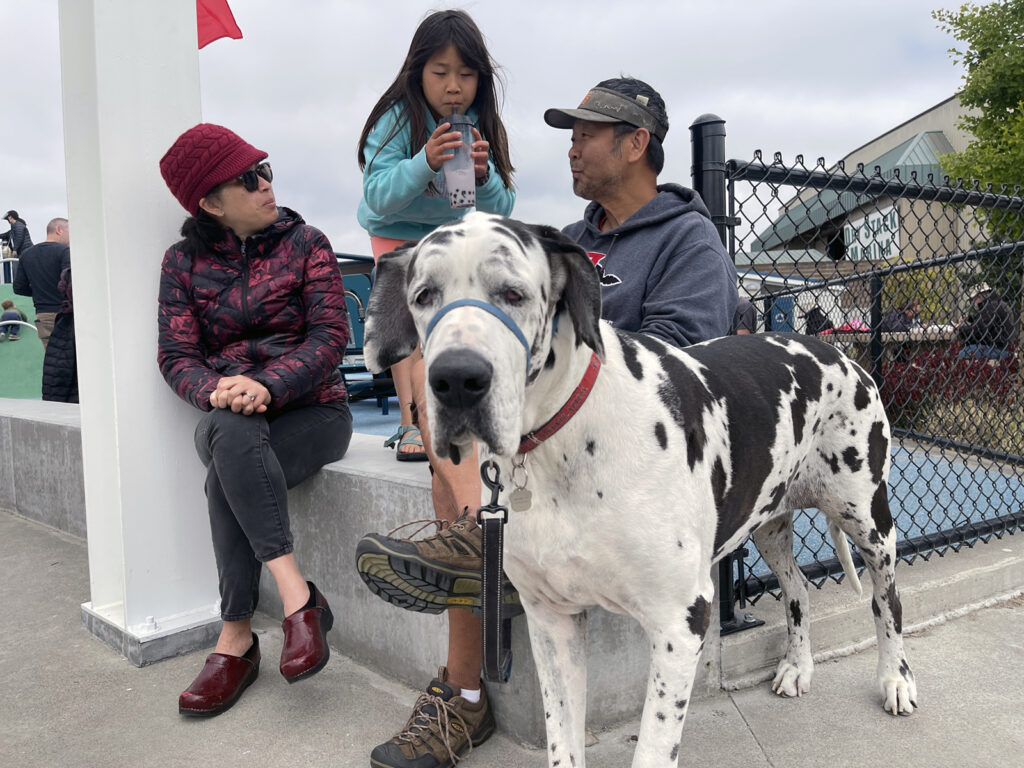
817,77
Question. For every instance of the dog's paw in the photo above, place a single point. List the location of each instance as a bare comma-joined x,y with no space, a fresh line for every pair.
899,693
792,680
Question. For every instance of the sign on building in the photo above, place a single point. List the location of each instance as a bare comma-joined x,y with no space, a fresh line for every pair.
874,235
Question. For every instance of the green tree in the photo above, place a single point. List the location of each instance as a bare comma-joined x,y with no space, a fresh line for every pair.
992,53
993,56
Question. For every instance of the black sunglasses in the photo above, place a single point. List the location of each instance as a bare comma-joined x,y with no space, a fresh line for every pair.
251,178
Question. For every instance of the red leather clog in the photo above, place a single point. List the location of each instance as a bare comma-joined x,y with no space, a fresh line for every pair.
305,650
220,683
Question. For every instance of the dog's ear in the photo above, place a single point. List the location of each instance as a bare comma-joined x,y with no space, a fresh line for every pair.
574,281
390,331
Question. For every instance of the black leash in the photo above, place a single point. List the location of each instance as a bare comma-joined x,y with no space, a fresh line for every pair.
497,626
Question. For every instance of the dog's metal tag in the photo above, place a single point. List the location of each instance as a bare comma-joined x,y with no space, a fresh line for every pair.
520,499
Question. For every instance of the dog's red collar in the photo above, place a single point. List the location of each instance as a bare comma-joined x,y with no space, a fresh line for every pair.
530,441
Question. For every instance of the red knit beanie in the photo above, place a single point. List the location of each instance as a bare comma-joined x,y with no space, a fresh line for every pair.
203,157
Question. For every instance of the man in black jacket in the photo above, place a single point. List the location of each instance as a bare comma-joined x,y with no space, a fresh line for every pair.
39,270
990,328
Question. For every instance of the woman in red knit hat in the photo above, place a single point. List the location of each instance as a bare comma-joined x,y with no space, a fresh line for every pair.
252,327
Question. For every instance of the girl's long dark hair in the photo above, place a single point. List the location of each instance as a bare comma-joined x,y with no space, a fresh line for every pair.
436,32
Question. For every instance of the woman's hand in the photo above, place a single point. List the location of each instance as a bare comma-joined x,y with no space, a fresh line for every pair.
241,394
481,153
441,145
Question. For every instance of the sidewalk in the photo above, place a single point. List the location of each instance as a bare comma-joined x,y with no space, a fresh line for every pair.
68,701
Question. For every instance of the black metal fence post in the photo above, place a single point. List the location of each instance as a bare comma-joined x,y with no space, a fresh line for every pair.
876,328
710,180
707,136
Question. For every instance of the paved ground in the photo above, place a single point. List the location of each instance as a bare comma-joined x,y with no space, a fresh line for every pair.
68,701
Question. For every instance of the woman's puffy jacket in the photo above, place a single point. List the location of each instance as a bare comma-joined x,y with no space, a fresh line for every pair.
271,308
60,361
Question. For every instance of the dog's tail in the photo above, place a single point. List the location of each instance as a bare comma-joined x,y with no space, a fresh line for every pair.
845,558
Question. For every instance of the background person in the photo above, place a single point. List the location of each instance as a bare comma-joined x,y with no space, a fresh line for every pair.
39,270
7,273
252,327
816,321
903,317
60,361
17,238
403,145
744,320
9,313
990,328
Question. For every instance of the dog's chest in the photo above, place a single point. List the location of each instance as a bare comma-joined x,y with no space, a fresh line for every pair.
586,523
554,562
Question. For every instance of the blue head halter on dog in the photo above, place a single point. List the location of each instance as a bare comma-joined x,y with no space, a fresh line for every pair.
508,321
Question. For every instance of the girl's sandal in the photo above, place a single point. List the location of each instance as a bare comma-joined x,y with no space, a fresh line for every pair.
407,436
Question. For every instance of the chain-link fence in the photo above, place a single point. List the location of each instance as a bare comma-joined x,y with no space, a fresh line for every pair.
921,283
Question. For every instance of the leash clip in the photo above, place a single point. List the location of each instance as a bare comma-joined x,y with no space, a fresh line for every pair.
490,474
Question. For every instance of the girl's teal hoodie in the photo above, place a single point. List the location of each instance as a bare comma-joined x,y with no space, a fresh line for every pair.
398,198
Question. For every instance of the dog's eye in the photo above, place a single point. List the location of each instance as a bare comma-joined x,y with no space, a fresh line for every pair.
424,298
513,297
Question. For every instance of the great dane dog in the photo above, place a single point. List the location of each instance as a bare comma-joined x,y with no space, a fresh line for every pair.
672,460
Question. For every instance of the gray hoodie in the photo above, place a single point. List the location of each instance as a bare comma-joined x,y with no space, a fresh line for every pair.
664,270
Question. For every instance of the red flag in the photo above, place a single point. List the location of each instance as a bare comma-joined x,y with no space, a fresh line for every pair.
215,21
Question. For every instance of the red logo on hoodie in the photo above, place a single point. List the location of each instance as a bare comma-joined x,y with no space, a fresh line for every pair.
598,261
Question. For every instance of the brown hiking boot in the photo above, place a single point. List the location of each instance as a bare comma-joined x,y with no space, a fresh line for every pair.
443,729
432,574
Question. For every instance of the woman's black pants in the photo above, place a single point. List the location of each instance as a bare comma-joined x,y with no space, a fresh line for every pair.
251,463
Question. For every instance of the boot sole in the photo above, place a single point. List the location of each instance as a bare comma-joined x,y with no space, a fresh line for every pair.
425,586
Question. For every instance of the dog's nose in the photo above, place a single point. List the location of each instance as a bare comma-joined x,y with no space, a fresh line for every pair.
460,377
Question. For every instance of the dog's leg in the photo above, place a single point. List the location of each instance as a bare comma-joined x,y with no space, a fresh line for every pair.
869,523
774,540
559,645
676,645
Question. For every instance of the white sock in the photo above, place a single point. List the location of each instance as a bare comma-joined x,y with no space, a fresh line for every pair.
473,697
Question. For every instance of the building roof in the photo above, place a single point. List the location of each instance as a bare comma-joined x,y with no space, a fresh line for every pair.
918,155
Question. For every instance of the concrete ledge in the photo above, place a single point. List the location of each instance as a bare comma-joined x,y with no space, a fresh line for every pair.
41,479
41,463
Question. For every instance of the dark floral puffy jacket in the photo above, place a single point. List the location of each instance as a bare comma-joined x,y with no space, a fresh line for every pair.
271,308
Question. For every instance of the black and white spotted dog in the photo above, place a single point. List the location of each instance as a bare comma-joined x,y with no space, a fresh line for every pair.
676,456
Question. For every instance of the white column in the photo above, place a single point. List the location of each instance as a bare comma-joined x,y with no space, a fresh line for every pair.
130,80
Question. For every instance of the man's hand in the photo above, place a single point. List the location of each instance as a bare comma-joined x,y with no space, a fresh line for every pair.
241,394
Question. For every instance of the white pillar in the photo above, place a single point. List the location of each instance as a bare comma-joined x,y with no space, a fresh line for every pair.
130,80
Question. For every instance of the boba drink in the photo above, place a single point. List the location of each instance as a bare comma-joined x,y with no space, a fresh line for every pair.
459,176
